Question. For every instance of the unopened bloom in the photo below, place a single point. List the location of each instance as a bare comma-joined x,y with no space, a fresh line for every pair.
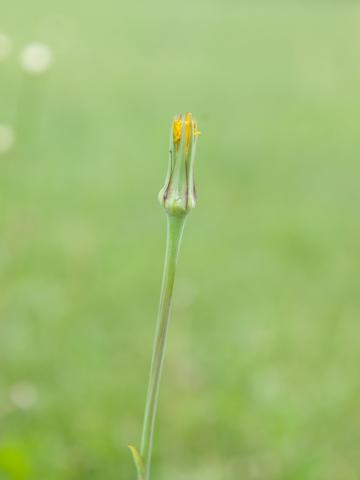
178,196
36,58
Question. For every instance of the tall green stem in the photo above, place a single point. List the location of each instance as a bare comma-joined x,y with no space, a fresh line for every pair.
175,226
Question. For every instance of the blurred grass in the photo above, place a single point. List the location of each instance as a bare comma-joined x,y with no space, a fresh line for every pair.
261,379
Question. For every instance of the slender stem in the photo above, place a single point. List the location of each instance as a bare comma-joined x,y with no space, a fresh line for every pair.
175,226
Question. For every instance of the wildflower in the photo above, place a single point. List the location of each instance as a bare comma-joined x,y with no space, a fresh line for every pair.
178,196
36,58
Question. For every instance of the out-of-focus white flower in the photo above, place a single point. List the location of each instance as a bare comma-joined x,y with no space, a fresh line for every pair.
36,58
7,138
23,395
5,46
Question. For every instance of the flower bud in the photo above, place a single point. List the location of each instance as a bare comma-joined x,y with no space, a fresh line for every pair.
178,196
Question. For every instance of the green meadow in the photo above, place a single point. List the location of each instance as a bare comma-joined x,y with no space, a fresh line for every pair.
261,379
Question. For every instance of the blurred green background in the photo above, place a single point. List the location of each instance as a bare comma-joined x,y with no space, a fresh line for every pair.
262,372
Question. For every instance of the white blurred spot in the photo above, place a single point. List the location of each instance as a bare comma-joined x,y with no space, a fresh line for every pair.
5,46
36,58
7,138
23,395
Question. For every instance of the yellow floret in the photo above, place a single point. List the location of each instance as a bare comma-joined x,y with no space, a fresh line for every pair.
190,127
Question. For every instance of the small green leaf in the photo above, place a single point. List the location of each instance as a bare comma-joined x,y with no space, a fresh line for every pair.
139,462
